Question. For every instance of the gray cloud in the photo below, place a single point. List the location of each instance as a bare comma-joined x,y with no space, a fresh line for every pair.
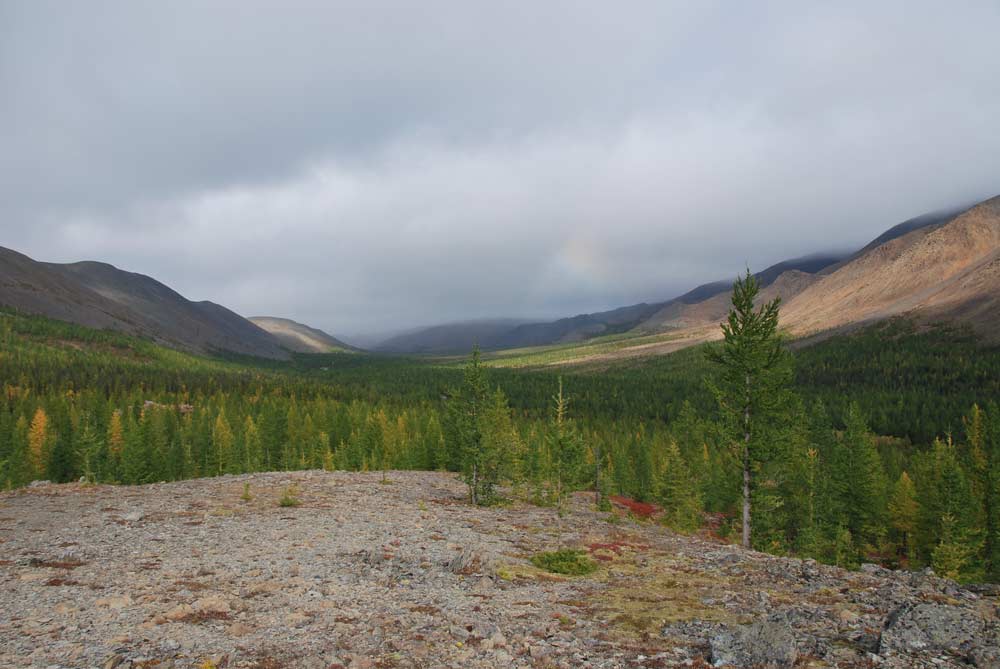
374,165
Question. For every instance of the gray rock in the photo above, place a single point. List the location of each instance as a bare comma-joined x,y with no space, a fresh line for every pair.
469,562
932,629
766,643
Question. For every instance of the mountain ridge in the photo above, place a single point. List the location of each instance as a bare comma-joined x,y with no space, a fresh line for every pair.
100,295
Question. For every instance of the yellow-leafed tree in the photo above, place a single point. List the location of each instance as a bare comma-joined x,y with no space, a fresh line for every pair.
39,443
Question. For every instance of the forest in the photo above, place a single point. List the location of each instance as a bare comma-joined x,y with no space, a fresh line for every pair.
885,447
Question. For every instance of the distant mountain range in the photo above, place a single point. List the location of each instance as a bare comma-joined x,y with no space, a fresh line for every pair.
940,266
703,305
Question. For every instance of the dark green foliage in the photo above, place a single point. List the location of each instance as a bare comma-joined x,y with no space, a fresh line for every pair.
479,435
751,388
565,561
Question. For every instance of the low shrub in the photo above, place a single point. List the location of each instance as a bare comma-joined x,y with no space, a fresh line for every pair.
567,561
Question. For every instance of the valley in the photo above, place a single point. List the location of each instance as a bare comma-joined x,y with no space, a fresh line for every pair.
561,335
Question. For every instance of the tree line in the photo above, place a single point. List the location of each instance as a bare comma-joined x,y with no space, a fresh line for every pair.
108,408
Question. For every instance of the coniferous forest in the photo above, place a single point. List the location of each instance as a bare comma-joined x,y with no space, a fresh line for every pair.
880,446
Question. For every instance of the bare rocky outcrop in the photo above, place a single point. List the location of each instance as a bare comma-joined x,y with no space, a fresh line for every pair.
927,628
408,574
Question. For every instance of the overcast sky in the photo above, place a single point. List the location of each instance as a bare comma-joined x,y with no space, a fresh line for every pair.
378,165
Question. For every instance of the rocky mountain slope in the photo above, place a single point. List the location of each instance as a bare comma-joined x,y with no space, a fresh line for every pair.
938,267
102,296
299,337
364,574
949,270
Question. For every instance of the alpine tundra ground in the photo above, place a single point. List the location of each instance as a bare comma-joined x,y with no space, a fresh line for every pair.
405,573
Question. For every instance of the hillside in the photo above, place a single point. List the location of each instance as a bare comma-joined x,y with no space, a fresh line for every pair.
102,296
643,317
941,267
701,306
943,271
410,575
298,337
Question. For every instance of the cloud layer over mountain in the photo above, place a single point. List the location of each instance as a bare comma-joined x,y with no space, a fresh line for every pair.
365,166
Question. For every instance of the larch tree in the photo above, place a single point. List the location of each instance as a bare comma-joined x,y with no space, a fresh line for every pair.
252,447
222,443
755,374
39,443
565,446
116,443
903,511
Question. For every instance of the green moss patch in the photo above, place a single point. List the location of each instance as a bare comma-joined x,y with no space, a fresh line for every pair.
568,561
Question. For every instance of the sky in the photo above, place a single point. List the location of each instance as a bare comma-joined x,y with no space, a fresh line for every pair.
374,166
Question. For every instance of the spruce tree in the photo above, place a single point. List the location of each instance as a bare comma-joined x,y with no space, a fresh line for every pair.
463,423
752,388
677,491
858,468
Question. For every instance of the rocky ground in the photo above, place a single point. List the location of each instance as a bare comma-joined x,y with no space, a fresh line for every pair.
407,574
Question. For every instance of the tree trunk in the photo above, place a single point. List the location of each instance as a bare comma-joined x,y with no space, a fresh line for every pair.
746,467
475,483
746,494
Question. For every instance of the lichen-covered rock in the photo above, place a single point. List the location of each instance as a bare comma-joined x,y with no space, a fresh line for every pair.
412,575
934,629
766,643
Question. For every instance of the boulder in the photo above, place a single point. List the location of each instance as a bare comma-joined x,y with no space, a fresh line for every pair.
934,629
469,562
766,643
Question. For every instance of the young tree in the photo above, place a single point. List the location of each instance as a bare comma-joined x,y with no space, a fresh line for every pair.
857,468
565,446
475,425
677,491
88,448
753,384
903,511
252,448
39,443
223,443
116,444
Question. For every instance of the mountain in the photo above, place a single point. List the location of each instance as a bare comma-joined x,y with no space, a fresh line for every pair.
496,335
678,315
298,337
941,271
941,267
102,296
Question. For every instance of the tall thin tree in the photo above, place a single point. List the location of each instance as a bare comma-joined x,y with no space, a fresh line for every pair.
754,379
